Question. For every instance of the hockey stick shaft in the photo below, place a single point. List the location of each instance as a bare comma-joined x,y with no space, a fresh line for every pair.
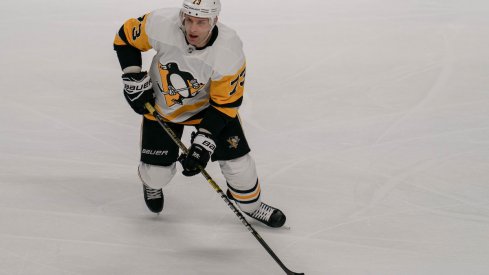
218,189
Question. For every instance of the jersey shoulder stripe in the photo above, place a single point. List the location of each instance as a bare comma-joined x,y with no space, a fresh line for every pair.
133,32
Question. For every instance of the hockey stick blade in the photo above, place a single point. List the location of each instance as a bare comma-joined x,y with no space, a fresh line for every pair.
288,272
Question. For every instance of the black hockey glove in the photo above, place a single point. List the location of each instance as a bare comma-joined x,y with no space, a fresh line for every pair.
198,155
138,89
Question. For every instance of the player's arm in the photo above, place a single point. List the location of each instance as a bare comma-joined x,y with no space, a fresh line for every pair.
130,41
226,95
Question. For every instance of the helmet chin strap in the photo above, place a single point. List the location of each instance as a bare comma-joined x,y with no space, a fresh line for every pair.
214,21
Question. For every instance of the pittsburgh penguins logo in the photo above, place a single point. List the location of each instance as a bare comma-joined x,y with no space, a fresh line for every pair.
177,85
233,142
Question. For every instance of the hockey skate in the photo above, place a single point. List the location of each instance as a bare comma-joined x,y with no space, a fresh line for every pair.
266,214
154,198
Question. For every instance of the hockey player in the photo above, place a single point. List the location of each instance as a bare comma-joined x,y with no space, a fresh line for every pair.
196,78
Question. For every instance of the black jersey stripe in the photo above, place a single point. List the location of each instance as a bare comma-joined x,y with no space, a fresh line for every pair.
122,35
234,104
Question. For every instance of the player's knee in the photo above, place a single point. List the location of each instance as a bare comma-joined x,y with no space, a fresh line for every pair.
156,176
240,172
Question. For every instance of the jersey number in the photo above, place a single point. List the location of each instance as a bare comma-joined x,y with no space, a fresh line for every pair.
136,32
239,80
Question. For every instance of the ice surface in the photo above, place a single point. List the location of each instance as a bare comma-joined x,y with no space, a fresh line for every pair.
368,120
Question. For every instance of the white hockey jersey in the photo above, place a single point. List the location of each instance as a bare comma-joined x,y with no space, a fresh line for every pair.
187,80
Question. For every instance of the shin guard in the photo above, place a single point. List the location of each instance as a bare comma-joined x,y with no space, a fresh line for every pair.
242,180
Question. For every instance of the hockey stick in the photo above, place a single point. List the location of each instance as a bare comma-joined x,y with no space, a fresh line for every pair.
218,189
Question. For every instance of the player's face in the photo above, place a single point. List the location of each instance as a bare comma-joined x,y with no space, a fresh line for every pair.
197,30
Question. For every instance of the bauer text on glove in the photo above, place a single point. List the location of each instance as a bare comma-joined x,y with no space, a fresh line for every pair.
138,89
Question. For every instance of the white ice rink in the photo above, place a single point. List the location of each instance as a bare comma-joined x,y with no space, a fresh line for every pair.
368,120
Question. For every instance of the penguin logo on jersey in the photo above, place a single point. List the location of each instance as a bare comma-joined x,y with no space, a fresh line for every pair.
233,142
177,85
